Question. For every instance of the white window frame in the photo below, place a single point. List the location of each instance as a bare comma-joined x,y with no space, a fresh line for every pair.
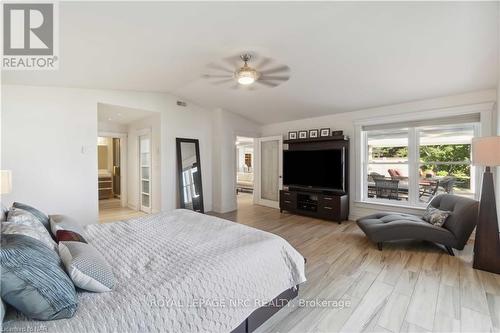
361,144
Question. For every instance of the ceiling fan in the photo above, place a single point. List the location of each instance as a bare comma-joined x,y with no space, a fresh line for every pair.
237,70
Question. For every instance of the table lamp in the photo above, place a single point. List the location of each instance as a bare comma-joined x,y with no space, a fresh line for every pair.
5,185
486,152
5,181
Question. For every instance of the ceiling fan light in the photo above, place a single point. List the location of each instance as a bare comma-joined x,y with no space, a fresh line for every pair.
246,75
246,80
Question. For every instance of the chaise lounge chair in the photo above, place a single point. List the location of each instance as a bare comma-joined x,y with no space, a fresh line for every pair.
455,232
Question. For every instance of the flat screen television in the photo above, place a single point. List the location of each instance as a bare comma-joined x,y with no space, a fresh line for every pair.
319,169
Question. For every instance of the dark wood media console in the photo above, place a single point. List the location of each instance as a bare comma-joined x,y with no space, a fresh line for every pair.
333,207
320,203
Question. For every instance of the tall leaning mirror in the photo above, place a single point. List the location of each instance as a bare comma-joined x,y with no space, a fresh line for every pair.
189,174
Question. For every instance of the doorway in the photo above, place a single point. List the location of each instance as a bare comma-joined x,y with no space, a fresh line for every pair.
111,184
108,159
245,160
129,162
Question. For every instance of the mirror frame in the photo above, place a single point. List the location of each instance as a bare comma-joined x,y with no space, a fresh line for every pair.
196,142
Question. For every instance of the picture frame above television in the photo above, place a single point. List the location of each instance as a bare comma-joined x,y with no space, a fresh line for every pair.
324,132
314,133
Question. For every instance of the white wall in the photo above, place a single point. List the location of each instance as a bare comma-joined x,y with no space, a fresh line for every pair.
346,122
152,123
227,126
49,142
111,127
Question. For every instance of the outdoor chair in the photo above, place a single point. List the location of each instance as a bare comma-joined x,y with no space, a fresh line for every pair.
447,183
387,188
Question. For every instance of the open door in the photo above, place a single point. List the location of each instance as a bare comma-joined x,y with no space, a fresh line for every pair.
268,170
145,172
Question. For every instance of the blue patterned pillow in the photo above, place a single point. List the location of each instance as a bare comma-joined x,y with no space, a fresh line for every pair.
33,280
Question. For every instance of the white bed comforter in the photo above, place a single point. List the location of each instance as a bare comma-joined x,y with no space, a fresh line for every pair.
180,271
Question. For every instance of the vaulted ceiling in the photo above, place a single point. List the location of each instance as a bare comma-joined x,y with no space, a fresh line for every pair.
343,56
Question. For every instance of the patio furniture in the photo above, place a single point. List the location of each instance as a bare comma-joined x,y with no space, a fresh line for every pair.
374,175
387,188
428,189
447,183
397,174
455,232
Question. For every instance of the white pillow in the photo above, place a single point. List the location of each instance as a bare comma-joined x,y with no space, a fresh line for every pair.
86,266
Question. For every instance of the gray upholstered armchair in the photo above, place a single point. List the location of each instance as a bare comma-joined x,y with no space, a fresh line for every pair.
455,232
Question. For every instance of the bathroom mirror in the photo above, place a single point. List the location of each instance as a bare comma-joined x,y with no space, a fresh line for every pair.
189,174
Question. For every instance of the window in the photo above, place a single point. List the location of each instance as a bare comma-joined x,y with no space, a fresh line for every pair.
387,154
409,163
445,163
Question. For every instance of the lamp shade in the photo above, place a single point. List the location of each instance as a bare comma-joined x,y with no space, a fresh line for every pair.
5,181
486,151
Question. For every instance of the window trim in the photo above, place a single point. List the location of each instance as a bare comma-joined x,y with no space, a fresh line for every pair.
361,143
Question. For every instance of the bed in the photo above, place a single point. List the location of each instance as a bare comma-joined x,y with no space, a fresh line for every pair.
181,271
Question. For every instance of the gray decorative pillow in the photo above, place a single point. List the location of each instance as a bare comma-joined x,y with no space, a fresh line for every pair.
33,280
86,266
40,216
436,216
32,229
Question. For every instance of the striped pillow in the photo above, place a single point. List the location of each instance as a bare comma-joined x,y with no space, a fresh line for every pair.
33,281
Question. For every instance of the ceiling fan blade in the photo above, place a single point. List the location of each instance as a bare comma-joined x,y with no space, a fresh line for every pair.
264,62
274,78
222,81
267,83
279,69
234,61
220,68
216,76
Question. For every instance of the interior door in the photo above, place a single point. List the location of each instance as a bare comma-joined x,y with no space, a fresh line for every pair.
116,167
268,170
145,172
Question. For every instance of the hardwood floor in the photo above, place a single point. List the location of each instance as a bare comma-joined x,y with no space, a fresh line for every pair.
110,210
407,287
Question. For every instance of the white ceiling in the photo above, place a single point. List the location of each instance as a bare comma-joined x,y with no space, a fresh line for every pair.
119,114
343,56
